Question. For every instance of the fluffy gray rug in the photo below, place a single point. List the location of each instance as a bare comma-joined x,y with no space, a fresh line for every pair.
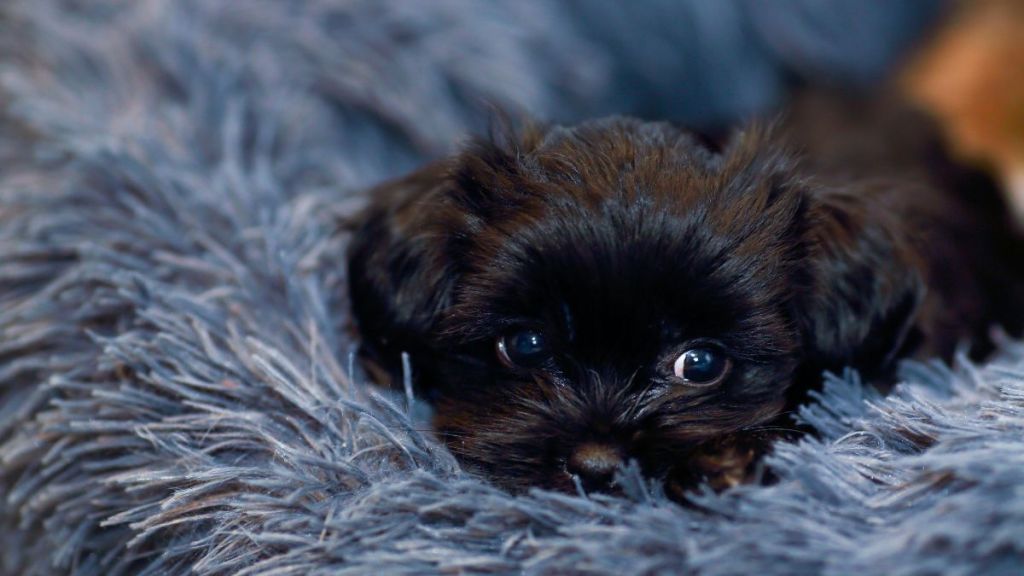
176,393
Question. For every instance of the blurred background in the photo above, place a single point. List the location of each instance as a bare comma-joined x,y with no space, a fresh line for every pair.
388,83
969,73
713,64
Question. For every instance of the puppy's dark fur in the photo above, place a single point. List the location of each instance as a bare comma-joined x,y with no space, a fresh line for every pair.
624,242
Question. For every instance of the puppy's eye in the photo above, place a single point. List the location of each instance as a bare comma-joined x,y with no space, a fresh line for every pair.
522,349
702,366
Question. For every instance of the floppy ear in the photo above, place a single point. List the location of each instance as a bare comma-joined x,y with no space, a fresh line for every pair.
405,253
857,280
864,285
398,271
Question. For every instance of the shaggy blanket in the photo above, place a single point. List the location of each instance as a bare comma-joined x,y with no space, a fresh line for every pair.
177,393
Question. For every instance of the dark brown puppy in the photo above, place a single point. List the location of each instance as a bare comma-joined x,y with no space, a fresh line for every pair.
573,298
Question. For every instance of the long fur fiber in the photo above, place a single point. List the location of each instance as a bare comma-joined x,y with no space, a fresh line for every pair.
176,394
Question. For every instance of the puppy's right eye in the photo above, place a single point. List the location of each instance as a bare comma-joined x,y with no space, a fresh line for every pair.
522,349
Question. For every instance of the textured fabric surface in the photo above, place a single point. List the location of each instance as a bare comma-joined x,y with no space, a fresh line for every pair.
176,387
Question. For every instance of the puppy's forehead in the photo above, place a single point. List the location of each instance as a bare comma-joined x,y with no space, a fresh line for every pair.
632,227
616,201
621,174
628,259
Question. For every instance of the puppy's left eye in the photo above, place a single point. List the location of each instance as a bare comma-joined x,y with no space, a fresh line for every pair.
702,366
522,349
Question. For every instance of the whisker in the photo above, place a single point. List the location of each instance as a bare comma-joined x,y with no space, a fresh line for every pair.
622,394
459,435
638,403
773,429
441,433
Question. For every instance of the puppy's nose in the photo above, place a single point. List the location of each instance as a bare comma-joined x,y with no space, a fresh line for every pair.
595,464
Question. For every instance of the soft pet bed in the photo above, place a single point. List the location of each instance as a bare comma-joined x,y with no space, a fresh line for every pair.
176,387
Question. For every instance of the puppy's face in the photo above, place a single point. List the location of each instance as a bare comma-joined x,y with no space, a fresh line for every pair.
613,292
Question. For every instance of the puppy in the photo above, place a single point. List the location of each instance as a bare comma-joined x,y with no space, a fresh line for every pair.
574,298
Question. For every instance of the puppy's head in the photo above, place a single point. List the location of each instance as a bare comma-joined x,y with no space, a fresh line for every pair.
572,299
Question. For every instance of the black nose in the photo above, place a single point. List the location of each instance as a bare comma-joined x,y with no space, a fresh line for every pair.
595,464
